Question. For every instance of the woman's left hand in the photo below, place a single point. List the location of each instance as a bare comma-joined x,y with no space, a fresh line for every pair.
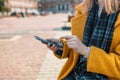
74,42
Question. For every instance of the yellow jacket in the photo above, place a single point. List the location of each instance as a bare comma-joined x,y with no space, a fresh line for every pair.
98,61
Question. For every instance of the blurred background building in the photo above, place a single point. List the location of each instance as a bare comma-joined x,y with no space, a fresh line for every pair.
22,6
35,7
57,5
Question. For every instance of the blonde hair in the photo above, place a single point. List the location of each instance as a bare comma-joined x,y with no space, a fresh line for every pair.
110,6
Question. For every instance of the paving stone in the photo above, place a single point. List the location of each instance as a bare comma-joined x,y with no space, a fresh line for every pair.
48,71
25,58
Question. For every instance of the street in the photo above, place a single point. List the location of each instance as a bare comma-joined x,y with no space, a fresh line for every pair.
21,56
33,23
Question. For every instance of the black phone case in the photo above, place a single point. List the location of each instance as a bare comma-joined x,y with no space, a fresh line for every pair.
47,42
59,52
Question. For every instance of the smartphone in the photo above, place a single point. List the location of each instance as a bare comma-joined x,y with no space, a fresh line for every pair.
59,52
47,42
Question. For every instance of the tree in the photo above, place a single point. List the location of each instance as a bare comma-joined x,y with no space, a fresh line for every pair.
1,4
3,8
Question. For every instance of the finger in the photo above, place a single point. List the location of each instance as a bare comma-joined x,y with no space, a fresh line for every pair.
56,48
53,40
71,43
71,40
50,40
53,47
72,46
60,48
66,37
48,45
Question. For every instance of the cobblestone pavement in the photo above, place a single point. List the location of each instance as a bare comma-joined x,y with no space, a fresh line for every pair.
21,59
24,58
51,66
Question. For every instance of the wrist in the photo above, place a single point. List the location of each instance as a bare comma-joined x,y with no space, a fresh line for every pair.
87,52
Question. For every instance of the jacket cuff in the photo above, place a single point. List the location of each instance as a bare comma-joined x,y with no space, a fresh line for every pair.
65,51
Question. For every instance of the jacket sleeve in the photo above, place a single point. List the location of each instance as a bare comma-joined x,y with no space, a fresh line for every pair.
66,51
107,63
101,62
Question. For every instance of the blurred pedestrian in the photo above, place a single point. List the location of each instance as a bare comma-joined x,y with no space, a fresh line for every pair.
93,49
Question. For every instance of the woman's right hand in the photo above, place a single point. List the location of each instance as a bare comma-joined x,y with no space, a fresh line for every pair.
53,47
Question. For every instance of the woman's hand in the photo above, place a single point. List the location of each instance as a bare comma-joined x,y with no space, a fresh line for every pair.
75,43
53,47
